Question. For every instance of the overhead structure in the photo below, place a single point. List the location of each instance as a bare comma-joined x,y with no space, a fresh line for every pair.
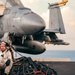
2,8
63,2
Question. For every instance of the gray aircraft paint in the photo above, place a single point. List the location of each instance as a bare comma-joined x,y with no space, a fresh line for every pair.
55,19
14,2
19,20
26,28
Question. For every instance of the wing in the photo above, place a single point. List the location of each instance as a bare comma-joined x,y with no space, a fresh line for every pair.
56,25
49,38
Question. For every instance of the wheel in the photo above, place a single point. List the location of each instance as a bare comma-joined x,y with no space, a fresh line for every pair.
38,73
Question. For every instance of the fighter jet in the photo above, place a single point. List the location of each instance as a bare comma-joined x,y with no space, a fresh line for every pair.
25,30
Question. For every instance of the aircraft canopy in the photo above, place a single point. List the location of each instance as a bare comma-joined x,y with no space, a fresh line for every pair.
10,3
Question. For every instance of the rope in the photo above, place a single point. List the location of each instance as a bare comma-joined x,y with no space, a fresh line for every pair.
19,54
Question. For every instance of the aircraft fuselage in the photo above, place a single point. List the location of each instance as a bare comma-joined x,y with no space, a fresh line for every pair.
20,21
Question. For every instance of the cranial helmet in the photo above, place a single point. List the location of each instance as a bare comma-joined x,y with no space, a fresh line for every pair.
3,42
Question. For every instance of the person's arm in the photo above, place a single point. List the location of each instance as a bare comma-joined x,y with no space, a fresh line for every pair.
10,57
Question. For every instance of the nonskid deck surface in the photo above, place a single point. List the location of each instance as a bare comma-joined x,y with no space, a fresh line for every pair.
62,68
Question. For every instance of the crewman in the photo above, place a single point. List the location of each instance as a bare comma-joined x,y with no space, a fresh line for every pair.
6,60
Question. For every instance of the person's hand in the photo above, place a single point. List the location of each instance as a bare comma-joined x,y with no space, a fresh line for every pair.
7,62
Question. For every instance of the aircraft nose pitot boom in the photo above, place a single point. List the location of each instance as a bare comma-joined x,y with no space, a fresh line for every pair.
32,23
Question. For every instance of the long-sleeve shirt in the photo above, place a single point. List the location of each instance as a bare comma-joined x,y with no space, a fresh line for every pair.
4,56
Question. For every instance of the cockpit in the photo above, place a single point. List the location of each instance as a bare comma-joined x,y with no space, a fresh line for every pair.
10,3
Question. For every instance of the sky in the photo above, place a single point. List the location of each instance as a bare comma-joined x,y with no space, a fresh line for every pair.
68,13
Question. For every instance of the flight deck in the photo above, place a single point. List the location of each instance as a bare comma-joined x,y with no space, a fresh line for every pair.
62,68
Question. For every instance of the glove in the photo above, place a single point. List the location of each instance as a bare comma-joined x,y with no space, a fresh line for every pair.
7,62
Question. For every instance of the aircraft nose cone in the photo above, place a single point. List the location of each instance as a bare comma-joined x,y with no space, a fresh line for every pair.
32,23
